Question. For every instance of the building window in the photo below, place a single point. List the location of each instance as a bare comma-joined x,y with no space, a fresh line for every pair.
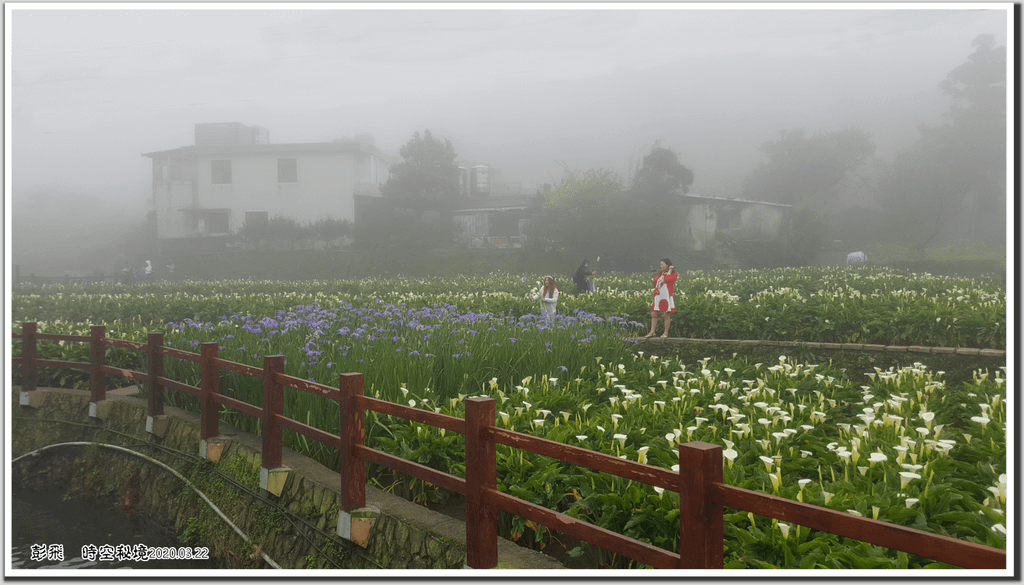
220,172
287,170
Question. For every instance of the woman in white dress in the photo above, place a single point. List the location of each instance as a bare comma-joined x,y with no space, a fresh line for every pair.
548,297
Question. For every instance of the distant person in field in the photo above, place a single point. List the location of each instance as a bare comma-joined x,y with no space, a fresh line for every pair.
149,268
584,283
664,304
548,297
170,266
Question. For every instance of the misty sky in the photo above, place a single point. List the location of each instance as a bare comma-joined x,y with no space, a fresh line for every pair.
524,88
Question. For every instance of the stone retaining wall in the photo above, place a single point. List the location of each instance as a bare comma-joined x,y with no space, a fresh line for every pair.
812,345
297,529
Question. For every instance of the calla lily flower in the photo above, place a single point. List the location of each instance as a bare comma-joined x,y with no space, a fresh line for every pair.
906,477
901,453
928,417
642,454
730,455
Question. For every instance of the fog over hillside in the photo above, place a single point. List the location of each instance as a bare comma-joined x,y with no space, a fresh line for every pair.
531,90
59,232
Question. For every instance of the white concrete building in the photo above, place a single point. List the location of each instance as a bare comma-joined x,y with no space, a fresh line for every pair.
206,192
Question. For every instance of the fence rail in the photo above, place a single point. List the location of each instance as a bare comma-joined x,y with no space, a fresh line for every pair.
702,492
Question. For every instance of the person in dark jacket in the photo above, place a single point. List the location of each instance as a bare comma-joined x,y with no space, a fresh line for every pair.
582,278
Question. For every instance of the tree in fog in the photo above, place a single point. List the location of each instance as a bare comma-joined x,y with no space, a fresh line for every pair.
952,182
574,218
254,232
593,214
419,193
807,171
330,230
428,175
279,229
655,206
660,175
286,229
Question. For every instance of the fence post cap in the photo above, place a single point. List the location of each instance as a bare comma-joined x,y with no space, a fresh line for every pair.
700,446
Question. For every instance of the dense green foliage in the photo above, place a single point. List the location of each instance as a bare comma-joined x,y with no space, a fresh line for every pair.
898,444
828,304
595,214
953,178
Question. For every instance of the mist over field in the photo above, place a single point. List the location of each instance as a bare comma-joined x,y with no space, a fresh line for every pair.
850,116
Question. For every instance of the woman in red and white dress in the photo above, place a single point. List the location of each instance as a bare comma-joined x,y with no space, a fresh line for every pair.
664,285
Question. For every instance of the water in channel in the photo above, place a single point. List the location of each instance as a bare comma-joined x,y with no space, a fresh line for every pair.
41,519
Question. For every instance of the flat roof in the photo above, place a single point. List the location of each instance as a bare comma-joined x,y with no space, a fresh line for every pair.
257,149
512,202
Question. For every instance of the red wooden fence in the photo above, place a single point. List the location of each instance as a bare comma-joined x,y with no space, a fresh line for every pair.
702,494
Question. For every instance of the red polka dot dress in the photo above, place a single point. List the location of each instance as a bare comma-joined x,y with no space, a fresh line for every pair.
664,287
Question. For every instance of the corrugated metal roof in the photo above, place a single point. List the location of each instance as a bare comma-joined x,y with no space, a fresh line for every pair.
505,203
732,200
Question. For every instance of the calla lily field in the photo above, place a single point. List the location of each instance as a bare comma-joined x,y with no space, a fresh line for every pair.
900,444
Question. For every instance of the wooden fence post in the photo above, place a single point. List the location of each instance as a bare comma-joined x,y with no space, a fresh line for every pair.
481,476
273,405
351,468
29,371
700,518
98,379
156,370
208,387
